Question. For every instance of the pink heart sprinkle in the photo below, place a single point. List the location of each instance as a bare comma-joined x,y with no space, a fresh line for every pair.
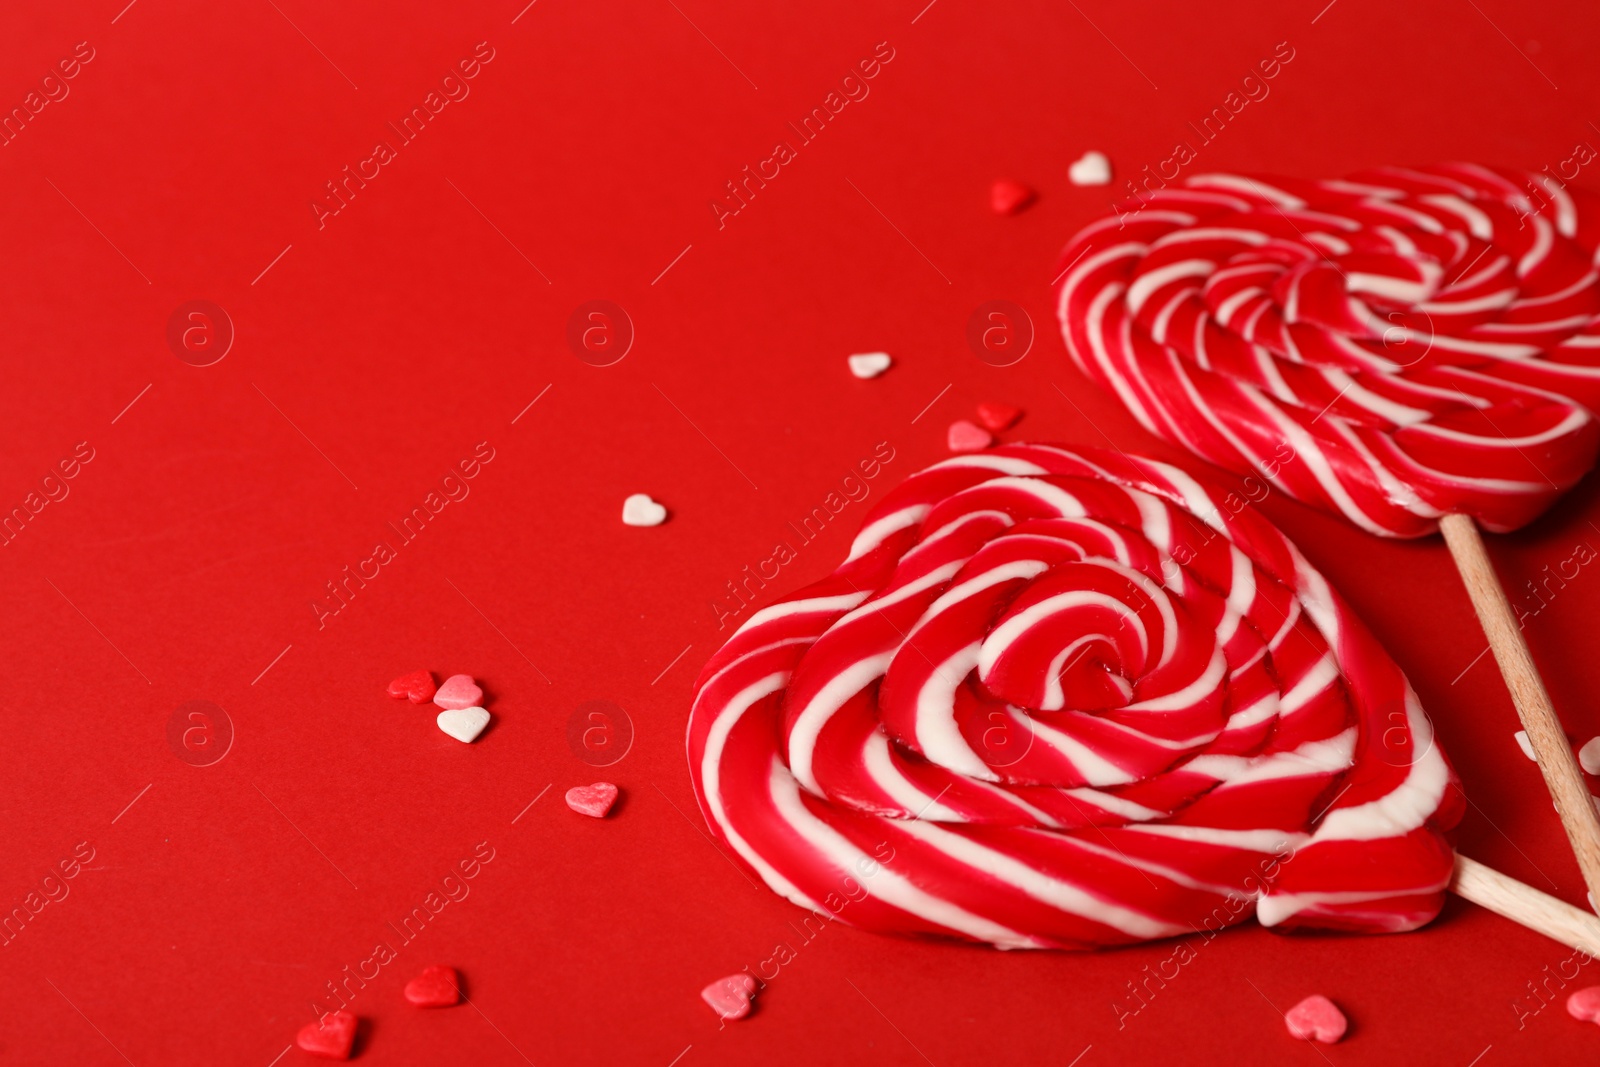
998,417
416,687
594,800
730,997
964,436
1007,197
1316,1018
1585,1004
458,691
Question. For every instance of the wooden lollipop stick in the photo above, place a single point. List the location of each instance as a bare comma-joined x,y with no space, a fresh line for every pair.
1551,751
1526,906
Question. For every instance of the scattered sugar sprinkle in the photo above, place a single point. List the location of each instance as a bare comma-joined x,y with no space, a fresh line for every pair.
1524,744
1092,168
869,364
640,510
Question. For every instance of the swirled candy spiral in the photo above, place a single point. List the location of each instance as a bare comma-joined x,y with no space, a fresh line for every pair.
1393,346
1060,699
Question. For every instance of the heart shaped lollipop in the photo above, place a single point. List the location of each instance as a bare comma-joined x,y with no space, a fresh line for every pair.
1415,350
1063,699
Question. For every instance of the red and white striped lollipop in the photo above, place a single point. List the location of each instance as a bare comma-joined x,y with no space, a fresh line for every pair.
1416,350
1062,699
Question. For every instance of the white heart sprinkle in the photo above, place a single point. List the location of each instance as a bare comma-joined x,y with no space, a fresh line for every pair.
869,364
1589,756
463,724
1525,744
1093,169
640,510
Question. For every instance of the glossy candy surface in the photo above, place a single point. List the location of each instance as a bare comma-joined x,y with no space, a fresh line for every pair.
1392,346
1072,699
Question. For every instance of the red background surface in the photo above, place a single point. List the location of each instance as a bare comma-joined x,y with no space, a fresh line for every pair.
412,327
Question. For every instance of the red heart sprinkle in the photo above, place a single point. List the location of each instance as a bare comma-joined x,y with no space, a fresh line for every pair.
332,1037
964,436
998,417
730,997
435,987
593,800
1316,1018
1008,197
416,687
1585,1004
458,691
